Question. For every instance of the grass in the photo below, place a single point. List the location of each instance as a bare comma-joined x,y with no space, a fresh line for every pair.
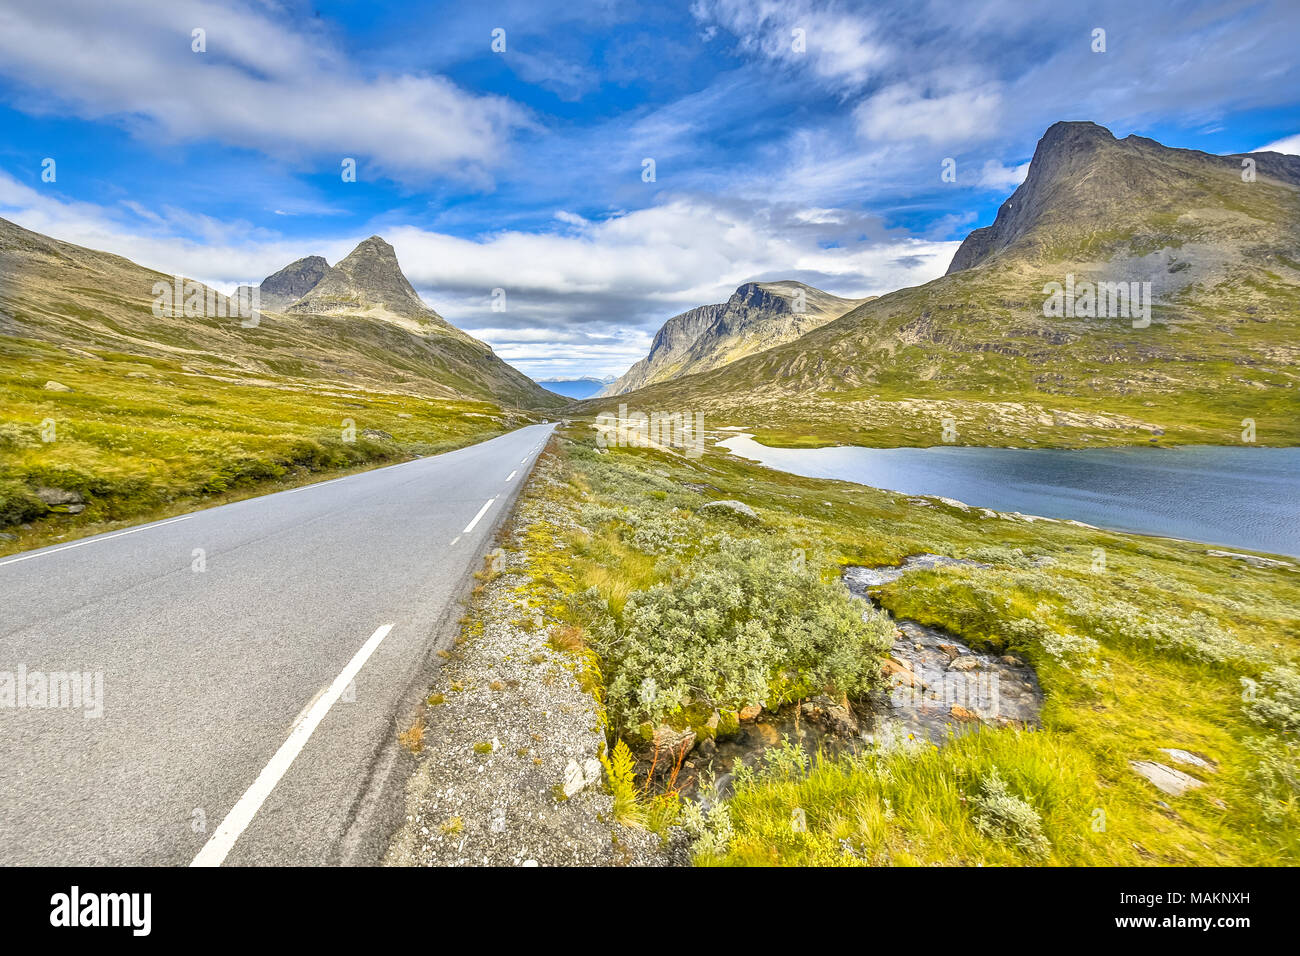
141,439
1157,651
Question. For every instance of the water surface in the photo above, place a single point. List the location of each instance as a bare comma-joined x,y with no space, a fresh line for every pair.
1237,497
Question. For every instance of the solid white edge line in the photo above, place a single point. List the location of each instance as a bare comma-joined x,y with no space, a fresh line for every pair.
78,544
214,852
481,512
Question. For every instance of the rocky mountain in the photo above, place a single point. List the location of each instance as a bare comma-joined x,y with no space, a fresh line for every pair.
358,324
1212,243
369,280
1082,180
278,292
758,316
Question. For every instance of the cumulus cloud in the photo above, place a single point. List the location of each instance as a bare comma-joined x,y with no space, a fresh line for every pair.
261,84
837,44
585,297
1289,145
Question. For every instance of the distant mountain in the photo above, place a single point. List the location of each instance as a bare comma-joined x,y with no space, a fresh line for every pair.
1215,240
758,316
583,387
359,322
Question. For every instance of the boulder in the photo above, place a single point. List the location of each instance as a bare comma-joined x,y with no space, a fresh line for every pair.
900,672
53,386
1166,779
964,663
958,712
62,501
750,713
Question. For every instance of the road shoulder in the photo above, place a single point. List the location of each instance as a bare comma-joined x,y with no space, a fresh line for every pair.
511,734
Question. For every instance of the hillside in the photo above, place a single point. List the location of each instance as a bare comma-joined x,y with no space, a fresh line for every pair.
1222,256
123,399
758,316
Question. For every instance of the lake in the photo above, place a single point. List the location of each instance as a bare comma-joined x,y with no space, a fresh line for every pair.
1240,497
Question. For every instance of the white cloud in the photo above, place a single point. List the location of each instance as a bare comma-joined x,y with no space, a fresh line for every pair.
993,175
1289,145
839,46
585,299
907,111
260,85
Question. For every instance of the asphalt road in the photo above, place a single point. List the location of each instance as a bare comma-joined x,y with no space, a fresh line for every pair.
255,661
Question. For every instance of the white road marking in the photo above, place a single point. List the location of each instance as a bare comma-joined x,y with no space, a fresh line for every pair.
512,474
453,541
214,852
78,544
481,512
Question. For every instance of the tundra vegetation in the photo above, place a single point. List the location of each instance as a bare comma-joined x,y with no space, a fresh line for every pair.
677,613
136,438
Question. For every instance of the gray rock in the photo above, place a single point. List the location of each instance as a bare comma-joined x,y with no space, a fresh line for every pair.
1189,758
375,434
1166,779
53,386
62,501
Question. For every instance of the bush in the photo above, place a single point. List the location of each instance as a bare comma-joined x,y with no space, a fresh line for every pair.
18,504
743,624
1003,816
1276,703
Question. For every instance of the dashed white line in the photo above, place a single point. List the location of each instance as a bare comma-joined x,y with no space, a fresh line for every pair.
481,512
78,544
214,852
510,477
453,541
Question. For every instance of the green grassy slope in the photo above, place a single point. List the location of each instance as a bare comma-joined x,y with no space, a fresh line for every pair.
1163,646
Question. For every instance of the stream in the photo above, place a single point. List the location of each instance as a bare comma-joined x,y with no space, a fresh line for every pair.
939,687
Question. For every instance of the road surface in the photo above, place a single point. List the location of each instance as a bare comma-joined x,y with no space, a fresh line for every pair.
255,660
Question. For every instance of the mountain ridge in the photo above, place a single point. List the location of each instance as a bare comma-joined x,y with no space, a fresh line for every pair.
977,345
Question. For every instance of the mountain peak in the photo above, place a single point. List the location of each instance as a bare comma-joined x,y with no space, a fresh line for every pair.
369,277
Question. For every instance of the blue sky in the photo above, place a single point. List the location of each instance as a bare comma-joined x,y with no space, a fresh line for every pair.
523,169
